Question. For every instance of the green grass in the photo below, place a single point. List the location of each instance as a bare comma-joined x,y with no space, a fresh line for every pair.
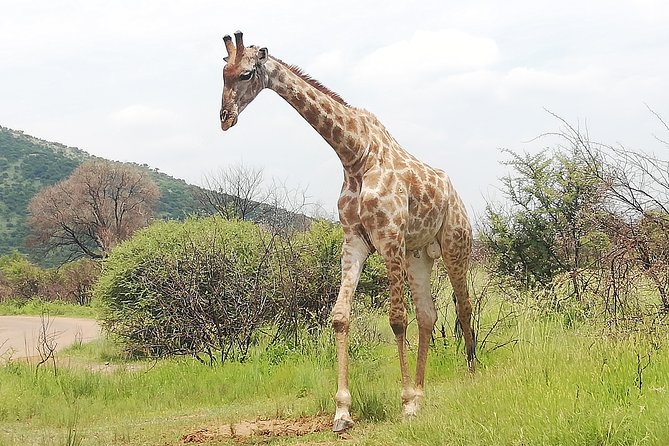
37,307
555,386
132,399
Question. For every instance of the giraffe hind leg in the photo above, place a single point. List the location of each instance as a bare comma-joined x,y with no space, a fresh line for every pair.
456,259
459,334
463,310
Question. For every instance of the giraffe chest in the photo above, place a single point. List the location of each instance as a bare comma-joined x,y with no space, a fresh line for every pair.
386,211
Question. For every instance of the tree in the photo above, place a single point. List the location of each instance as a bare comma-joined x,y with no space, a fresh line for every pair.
238,193
597,213
101,204
234,193
637,198
550,226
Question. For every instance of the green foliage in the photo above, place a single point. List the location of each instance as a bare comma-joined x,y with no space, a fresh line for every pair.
38,307
177,198
208,286
550,225
308,263
373,287
184,288
21,280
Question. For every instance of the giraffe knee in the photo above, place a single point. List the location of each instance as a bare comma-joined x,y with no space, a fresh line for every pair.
340,321
340,325
398,322
399,328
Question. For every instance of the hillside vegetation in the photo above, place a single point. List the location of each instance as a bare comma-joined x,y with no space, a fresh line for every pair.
27,164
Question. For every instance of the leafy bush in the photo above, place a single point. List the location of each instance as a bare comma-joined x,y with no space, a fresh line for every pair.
193,288
307,267
20,279
208,286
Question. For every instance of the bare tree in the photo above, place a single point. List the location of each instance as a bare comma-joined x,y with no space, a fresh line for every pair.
637,202
238,192
284,208
235,192
101,204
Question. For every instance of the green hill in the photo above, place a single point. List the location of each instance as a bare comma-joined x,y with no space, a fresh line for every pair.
27,164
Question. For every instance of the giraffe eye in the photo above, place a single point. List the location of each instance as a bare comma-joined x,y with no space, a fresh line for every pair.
246,75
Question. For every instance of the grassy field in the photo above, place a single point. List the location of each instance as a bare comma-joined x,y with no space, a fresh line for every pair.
551,386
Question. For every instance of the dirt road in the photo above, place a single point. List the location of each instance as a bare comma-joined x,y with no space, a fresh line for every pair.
19,335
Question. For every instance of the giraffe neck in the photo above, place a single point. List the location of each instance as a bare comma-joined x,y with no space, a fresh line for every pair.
338,123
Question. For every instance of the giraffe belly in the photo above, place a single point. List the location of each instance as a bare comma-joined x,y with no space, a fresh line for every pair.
422,230
418,242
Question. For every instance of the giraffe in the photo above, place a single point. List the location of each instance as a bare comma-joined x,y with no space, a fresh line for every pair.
390,202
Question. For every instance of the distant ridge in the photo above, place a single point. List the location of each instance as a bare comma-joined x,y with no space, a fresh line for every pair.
28,164
70,152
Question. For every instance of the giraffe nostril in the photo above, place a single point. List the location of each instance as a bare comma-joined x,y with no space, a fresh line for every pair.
224,115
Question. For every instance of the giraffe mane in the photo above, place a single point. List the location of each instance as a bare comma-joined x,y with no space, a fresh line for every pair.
314,83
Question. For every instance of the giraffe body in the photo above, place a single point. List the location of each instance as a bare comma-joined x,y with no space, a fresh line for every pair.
390,202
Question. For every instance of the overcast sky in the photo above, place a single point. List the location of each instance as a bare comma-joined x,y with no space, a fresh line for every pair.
453,81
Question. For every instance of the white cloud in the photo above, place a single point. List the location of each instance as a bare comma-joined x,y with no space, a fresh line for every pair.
138,115
427,53
529,81
532,78
332,62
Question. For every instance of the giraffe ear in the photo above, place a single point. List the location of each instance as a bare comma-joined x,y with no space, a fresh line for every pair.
262,55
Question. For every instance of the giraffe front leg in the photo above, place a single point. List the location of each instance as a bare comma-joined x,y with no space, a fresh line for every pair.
354,254
419,270
398,323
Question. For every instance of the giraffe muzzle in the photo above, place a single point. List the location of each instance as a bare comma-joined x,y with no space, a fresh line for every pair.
227,119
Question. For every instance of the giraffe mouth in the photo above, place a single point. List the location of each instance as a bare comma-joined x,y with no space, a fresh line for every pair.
227,120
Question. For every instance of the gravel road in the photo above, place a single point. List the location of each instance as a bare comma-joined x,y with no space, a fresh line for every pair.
19,335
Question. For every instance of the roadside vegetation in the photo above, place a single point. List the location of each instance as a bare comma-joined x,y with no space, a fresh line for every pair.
38,307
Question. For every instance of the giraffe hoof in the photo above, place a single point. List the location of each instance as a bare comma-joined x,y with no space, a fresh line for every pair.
411,401
342,425
410,409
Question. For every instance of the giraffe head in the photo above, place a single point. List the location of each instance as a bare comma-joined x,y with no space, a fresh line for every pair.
243,78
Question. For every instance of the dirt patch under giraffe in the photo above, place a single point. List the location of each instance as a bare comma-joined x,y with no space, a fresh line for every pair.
260,428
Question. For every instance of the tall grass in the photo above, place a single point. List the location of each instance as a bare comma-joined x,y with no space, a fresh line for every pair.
556,385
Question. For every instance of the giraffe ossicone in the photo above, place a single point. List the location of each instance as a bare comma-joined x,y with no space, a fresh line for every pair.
390,202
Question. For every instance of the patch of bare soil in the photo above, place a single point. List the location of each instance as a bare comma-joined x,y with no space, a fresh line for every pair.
261,428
